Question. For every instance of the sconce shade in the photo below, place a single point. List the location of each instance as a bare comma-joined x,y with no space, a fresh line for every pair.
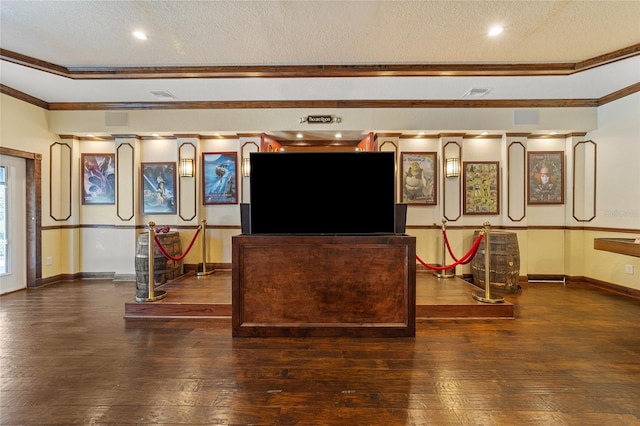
246,167
186,167
452,167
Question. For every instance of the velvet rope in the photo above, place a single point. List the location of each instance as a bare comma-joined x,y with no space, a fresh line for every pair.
463,261
446,240
178,258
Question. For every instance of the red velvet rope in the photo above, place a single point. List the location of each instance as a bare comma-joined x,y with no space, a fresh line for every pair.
446,240
167,255
463,261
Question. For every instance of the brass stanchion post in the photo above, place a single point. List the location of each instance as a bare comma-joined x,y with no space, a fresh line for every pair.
445,273
152,294
487,271
204,252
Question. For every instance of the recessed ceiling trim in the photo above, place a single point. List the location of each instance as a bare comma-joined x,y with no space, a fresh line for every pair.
319,71
401,103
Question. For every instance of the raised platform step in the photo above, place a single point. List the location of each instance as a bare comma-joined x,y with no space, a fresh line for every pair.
209,296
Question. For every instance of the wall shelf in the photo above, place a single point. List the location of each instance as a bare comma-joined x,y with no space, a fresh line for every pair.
626,246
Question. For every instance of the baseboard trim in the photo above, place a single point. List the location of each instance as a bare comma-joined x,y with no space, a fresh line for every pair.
533,278
540,278
615,288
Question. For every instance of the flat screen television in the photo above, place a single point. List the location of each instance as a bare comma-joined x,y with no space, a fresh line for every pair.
322,193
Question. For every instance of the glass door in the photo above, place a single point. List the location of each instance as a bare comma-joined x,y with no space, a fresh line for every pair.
13,230
4,264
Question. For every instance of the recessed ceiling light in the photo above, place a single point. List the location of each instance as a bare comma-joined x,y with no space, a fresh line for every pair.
484,133
299,136
494,31
139,35
338,135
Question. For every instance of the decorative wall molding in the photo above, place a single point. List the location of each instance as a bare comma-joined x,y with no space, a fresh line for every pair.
60,169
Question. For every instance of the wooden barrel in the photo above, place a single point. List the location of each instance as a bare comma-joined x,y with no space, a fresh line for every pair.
165,269
504,258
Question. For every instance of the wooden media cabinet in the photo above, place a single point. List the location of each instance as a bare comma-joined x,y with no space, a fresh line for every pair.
303,285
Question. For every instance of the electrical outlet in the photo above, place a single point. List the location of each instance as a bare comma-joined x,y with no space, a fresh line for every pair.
49,260
628,269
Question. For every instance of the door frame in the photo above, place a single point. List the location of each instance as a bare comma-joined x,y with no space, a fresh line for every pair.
33,201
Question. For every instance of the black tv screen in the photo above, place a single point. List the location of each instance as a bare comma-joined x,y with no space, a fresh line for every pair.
322,193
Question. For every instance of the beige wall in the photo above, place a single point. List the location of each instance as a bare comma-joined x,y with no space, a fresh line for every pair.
551,241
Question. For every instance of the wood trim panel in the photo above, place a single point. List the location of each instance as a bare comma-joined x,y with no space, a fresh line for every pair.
59,187
524,180
119,213
366,103
324,71
20,154
9,91
615,288
619,94
625,246
593,184
433,226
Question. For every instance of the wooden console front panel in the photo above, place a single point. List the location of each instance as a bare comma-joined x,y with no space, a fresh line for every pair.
324,285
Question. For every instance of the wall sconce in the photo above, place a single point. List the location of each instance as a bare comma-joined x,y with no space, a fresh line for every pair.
186,167
246,167
452,167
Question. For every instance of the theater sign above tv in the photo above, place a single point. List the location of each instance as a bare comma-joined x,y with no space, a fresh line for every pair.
322,193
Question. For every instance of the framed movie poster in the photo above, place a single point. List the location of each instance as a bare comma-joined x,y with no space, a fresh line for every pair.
98,178
481,187
419,180
158,188
219,178
545,174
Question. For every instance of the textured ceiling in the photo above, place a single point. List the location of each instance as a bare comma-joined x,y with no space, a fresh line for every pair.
98,33
77,34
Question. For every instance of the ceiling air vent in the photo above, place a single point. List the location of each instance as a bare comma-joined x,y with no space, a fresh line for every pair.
476,93
162,94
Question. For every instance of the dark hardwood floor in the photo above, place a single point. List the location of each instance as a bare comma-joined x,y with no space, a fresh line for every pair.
68,356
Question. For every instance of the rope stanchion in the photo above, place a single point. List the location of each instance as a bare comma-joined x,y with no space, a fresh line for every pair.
152,294
204,252
486,297
445,273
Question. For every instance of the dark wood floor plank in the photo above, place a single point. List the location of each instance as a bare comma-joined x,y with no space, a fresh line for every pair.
571,356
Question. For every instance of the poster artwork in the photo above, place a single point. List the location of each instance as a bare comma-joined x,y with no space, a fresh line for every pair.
546,177
419,178
482,188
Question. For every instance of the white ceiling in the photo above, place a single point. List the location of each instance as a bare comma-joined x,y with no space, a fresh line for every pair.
78,34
